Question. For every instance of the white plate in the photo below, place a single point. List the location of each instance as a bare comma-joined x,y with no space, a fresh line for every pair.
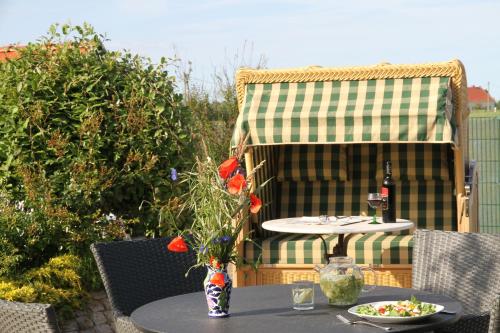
392,320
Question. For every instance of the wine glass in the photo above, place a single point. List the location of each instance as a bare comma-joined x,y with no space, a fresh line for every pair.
375,200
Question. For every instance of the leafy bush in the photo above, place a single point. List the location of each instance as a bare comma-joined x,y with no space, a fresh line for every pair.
56,282
87,141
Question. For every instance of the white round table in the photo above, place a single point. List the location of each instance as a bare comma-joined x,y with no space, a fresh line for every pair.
340,226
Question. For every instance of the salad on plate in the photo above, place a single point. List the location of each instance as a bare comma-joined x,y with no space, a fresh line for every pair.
396,311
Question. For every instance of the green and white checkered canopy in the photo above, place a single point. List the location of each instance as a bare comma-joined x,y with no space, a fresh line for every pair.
385,110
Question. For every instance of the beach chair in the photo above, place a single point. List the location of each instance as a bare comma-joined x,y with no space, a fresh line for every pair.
324,134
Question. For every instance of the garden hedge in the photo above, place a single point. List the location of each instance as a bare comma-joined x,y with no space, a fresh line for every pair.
88,138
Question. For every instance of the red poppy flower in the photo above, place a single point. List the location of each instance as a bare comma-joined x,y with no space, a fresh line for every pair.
214,262
255,203
236,184
218,279
177,245
227,167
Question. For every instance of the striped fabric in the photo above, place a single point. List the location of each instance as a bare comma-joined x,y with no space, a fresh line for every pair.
416,161
312,162
374,248
385,110
425,196
289,249
268,192
378,248
429,204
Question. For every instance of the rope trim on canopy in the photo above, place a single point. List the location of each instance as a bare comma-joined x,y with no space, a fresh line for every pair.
453,69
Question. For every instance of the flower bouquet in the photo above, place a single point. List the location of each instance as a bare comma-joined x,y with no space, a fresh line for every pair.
221,200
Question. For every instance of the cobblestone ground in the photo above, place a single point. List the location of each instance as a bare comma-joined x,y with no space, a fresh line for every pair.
96,318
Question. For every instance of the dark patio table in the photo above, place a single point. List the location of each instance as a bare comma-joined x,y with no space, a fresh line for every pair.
269,309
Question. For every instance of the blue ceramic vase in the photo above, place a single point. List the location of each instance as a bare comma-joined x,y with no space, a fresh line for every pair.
218,292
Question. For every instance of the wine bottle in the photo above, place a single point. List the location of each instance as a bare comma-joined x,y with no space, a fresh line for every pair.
389,191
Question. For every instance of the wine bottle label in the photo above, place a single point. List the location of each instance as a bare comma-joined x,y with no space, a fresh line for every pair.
384,191
388,195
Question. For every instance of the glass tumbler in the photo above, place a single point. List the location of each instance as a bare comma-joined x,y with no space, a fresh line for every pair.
303,295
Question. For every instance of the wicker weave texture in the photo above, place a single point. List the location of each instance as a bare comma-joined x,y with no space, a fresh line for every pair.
395,276
495,316
124,324
27,318
468,324
465,266
138,272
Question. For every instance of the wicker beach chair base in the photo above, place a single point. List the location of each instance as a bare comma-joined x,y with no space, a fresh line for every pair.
386,275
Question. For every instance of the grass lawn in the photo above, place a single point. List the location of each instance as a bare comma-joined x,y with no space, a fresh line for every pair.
484,113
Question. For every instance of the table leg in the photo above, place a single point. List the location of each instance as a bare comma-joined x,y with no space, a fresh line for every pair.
325,247
339,250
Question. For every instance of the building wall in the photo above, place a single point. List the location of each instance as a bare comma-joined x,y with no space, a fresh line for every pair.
484,147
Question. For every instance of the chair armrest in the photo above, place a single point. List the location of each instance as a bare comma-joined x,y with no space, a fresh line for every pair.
495,315
125,325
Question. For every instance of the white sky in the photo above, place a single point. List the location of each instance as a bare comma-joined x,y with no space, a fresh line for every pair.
289,33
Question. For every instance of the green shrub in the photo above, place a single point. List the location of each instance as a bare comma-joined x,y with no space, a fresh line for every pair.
87,141
214,121
13,291
57,282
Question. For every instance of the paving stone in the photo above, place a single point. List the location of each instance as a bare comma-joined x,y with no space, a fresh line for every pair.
90,330
70,325
98,318
109,316
106,304
84,323
95,306
81,313
104,328
99,295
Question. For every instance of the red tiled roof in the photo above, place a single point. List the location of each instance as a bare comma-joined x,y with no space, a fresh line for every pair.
12,51
478,95
9,52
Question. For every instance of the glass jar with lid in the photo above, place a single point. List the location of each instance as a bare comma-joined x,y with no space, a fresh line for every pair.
342,281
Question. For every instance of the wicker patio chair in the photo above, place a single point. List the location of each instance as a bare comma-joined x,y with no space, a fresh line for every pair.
495,316
27,318
138,272
465,266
